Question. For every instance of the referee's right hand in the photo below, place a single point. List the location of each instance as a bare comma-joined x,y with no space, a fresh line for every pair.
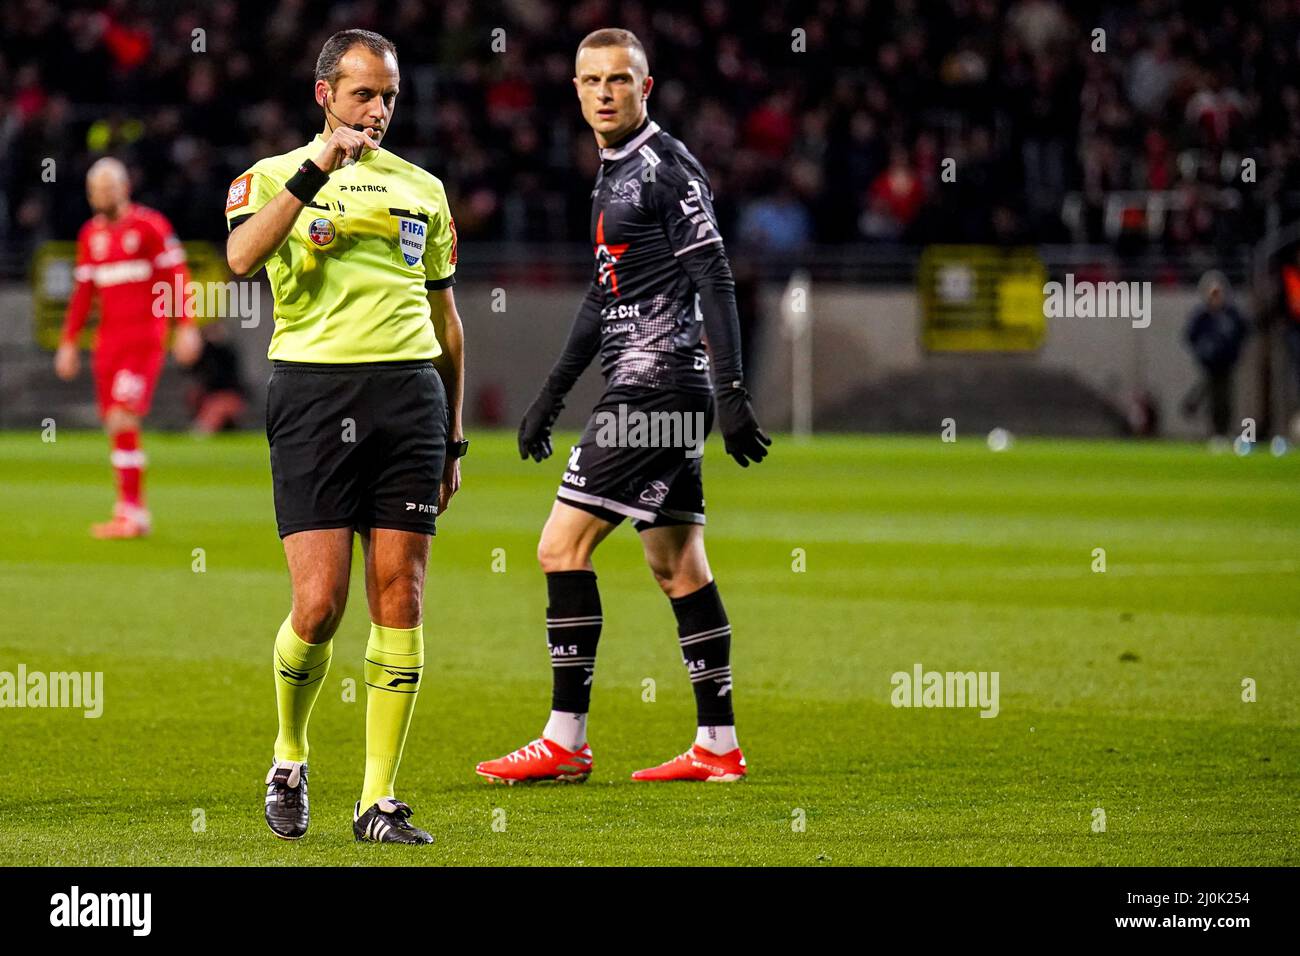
344,143
535,429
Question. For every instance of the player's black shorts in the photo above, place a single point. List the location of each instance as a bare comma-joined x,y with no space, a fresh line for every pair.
639,457
356,445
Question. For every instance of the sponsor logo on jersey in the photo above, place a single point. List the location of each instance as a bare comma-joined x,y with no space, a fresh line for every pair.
119,273
240,191
130,241
321,231
632,311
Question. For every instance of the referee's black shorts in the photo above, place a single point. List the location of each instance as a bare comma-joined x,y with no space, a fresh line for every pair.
359,445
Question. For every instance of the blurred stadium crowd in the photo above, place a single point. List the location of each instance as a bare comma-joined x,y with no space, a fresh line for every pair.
842,143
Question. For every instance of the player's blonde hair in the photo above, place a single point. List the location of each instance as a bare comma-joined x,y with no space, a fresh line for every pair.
108,166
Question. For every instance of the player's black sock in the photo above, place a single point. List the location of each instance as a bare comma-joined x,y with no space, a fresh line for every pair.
573,622
705,636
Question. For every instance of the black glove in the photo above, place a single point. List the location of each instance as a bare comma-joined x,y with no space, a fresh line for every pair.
743,439
535,429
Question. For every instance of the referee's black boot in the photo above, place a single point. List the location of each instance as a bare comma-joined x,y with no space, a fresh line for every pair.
385,822
286,800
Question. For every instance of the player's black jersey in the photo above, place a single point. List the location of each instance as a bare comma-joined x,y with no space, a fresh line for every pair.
652,204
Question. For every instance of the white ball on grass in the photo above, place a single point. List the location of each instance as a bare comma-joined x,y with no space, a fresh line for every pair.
999,439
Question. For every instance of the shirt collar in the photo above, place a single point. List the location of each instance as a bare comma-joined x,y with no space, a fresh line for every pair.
632,143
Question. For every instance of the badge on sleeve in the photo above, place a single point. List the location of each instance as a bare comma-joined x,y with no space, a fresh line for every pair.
412,234
238,195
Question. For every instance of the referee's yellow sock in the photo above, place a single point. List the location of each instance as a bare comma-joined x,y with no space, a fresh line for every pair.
394,666
300,670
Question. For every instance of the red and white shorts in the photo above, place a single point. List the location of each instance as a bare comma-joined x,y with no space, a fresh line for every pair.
126,377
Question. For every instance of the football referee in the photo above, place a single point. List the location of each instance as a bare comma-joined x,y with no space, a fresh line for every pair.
363,409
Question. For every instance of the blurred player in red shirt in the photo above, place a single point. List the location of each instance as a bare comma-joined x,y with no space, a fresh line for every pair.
121,253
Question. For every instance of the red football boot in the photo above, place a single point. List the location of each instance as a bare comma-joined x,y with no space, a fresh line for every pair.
698,764
127,522
539,761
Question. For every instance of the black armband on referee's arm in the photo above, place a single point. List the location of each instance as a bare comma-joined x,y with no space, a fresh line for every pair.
307,181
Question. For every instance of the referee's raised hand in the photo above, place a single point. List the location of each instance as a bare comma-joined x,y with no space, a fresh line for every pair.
344,143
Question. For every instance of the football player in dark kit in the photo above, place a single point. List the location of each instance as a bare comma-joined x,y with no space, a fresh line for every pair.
661,282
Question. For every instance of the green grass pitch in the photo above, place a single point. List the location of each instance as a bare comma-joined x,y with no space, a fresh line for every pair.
1119,690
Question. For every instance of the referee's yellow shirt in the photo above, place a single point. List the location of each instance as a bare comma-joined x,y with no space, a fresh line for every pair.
351,281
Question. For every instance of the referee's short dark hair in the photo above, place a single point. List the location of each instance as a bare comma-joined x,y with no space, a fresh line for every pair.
614,36
327,64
